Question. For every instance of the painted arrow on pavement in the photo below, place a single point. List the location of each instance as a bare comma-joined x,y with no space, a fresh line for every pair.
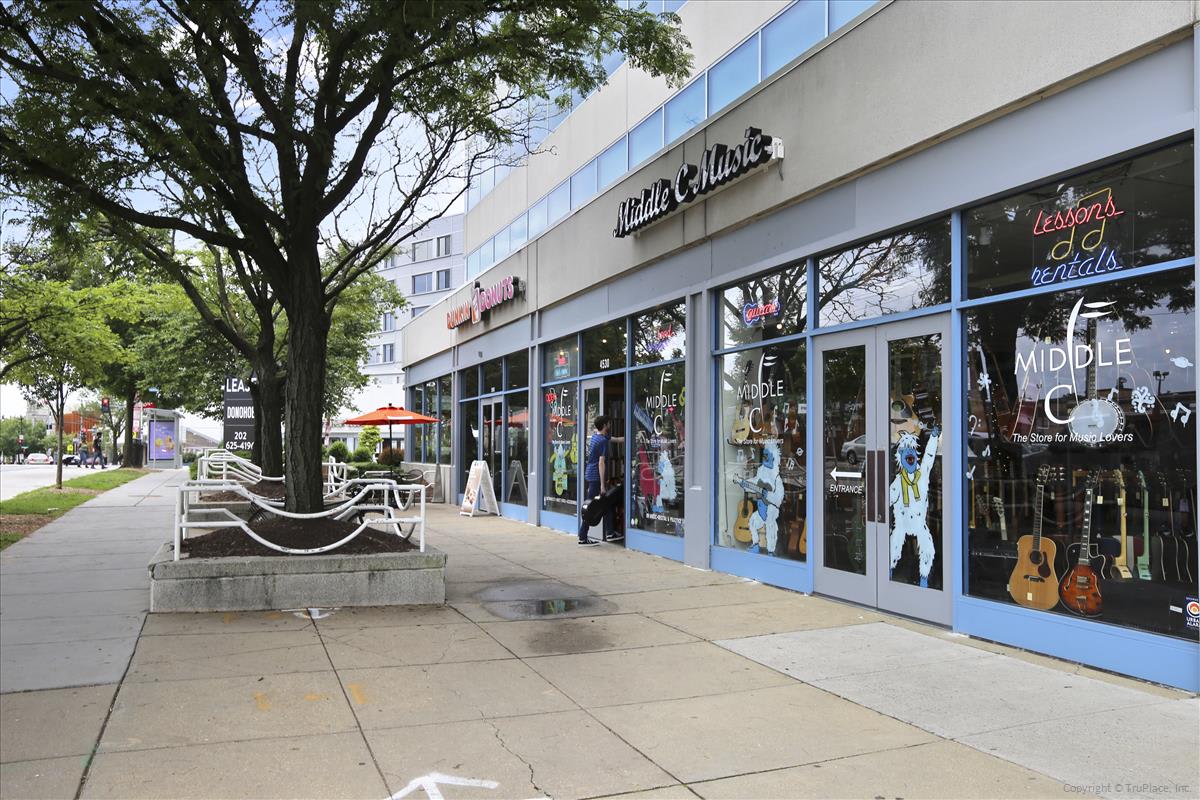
430,784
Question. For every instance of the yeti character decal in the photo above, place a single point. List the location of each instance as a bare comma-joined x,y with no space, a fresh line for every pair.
769,487
666,481
909,496
559,472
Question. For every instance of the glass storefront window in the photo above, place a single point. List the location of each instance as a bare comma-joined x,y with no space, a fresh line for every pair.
446,402
469,378
493,376
685,110
518,369
470,440
656,456
604,347
1125,215
733,75
900,272
1081,424
561,448
661,334
791,33
765,307
417,444
764,421
516,488
560,359
646,139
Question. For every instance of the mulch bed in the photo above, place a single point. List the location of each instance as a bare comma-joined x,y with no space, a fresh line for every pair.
20,525
272,490
298,533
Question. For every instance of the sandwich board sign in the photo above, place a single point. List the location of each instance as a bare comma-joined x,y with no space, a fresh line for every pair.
479,493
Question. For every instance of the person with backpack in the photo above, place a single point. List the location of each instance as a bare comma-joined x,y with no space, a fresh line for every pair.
98,449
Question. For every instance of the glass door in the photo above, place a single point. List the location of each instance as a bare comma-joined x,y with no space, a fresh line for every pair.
880,509
492,436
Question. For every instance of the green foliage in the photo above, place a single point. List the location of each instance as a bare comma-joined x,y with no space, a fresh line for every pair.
189,457
392,457
105,479
362,454
12,427
339,452
369,439
367,465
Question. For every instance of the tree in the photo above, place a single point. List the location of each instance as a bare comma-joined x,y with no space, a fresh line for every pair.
285,132
11,431
369,439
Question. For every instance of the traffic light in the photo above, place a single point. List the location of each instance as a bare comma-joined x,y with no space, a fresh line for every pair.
104,405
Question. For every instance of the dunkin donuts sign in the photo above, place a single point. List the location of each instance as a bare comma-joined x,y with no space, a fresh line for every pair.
482,301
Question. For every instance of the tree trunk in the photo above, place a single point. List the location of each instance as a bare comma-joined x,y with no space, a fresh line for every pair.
59,409
130,402
257,447
268,417
308,336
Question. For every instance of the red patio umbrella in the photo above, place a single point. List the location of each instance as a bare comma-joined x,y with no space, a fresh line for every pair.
390,415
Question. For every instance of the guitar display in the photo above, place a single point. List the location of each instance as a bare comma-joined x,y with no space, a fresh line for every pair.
740,433
998,507
741,527
1143,561
1183,526
1080,587
1120,565
1033,582
1166,535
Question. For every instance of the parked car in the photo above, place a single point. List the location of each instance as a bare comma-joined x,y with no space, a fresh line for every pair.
37,458
855,450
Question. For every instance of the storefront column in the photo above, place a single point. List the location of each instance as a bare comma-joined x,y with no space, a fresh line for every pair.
699,451
536,417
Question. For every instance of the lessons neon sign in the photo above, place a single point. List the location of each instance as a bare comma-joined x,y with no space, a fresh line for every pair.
1082,251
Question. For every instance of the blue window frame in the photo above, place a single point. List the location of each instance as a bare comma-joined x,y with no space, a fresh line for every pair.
791,33
613,163
537,217
685,110
583,184
646,139
733,75
559,202
842,11
518,233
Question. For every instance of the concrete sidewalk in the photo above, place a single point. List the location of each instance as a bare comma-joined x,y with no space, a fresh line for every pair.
567,672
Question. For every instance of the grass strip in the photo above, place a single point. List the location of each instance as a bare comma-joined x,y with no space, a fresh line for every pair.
40,506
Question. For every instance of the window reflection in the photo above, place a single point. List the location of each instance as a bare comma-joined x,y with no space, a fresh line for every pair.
561,448
660,335
765,307
656,486
764,417
896,273
1086,393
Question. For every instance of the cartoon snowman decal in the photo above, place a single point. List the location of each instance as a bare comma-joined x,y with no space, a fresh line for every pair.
909,496
559,471
769,486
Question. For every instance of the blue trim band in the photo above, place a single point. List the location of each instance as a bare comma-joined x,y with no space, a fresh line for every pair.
657,544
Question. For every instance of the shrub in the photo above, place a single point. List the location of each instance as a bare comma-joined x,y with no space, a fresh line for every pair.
339,452
393,457
363,454
189,457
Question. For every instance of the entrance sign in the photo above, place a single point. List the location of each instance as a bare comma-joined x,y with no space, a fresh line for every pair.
479,493
720,166
239,415
482,301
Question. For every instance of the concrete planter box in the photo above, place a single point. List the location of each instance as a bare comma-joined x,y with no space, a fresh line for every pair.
261,583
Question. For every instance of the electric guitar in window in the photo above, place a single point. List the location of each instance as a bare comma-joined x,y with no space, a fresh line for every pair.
998,507
1166,535
1183,525
1033,582
1143,561
1120,565
1080,587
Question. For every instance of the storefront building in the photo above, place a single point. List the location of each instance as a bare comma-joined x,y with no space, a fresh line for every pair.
909,323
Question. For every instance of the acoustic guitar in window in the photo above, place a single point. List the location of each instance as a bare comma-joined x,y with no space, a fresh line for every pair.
1033,582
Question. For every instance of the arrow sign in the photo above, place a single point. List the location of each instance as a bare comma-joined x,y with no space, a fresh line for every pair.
430,784
835,474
